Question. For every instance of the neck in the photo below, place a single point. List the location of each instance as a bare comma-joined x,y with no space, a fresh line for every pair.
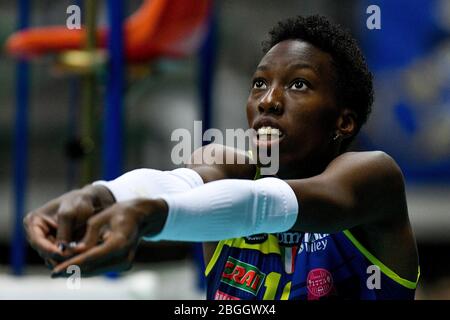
306,168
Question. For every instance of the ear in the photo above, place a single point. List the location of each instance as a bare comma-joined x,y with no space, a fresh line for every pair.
346,123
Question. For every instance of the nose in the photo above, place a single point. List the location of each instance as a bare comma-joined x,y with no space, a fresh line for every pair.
272,102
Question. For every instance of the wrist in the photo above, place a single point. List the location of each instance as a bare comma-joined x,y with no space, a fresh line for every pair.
151,215
100,196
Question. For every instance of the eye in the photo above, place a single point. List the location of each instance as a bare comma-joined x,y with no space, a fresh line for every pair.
299,85
259,84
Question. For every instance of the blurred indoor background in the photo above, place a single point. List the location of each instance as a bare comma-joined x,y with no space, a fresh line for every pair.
409,55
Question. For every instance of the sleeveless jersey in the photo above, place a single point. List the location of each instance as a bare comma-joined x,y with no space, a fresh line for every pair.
306,266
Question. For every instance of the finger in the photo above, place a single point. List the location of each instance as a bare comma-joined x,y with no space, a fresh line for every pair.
56,255
42,216
36,226
106,234
71,212
73,249
50,221
47,224
50,263
79,232
90,259
45,244
41,242
94,233
77,235
65,226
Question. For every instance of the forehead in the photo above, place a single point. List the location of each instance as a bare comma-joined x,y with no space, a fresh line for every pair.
297,52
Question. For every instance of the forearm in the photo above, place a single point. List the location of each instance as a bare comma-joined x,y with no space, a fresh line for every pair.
227,209
151,183
327,207
230,208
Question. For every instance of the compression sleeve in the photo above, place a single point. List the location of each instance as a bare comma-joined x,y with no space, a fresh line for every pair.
151,183
229,208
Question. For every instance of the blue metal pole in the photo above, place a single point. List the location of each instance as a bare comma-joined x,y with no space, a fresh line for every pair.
206,70
112,159
17,254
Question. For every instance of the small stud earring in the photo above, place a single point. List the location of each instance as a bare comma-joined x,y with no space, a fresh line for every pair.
336,136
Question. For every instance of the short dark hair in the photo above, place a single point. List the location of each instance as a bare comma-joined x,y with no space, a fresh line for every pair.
353,80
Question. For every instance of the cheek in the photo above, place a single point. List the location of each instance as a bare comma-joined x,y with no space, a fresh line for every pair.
313,125
322,120
251,112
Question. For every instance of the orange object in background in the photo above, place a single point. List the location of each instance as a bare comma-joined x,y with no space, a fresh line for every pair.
169,28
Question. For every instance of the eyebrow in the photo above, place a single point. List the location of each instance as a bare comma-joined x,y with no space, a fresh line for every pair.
304,66
264,67
300,65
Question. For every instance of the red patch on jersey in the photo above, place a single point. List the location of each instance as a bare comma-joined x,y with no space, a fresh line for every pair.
224,296
319,283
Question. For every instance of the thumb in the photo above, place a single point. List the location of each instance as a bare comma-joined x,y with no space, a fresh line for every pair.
94,231
69,214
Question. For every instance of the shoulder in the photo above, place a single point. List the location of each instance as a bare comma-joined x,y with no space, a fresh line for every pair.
389,236
372,166
376,159
375,180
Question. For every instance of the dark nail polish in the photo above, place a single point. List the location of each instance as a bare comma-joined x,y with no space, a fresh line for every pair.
62,247
48,265
56,275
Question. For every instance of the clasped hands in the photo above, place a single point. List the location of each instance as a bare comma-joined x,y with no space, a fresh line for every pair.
87,228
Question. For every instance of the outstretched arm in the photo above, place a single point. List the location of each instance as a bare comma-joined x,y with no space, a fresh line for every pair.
358,188
355,189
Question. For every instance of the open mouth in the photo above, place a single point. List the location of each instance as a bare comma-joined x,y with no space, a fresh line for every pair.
269,133
267,136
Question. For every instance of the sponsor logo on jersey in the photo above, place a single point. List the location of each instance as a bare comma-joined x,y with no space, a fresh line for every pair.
289,239
219,295
256,238
243,276
313,242
319,283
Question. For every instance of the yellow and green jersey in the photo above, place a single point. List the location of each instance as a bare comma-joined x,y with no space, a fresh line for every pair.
305,266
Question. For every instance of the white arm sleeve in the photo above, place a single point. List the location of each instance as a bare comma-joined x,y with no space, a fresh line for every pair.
229,208
150,183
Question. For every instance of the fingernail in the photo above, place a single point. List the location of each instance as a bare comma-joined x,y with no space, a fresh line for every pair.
57,257
56,274
62,246
48,265
72,244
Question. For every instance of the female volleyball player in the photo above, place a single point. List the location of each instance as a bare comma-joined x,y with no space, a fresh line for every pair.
330,224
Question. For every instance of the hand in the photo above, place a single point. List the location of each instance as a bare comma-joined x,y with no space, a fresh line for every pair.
52,227
113,235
